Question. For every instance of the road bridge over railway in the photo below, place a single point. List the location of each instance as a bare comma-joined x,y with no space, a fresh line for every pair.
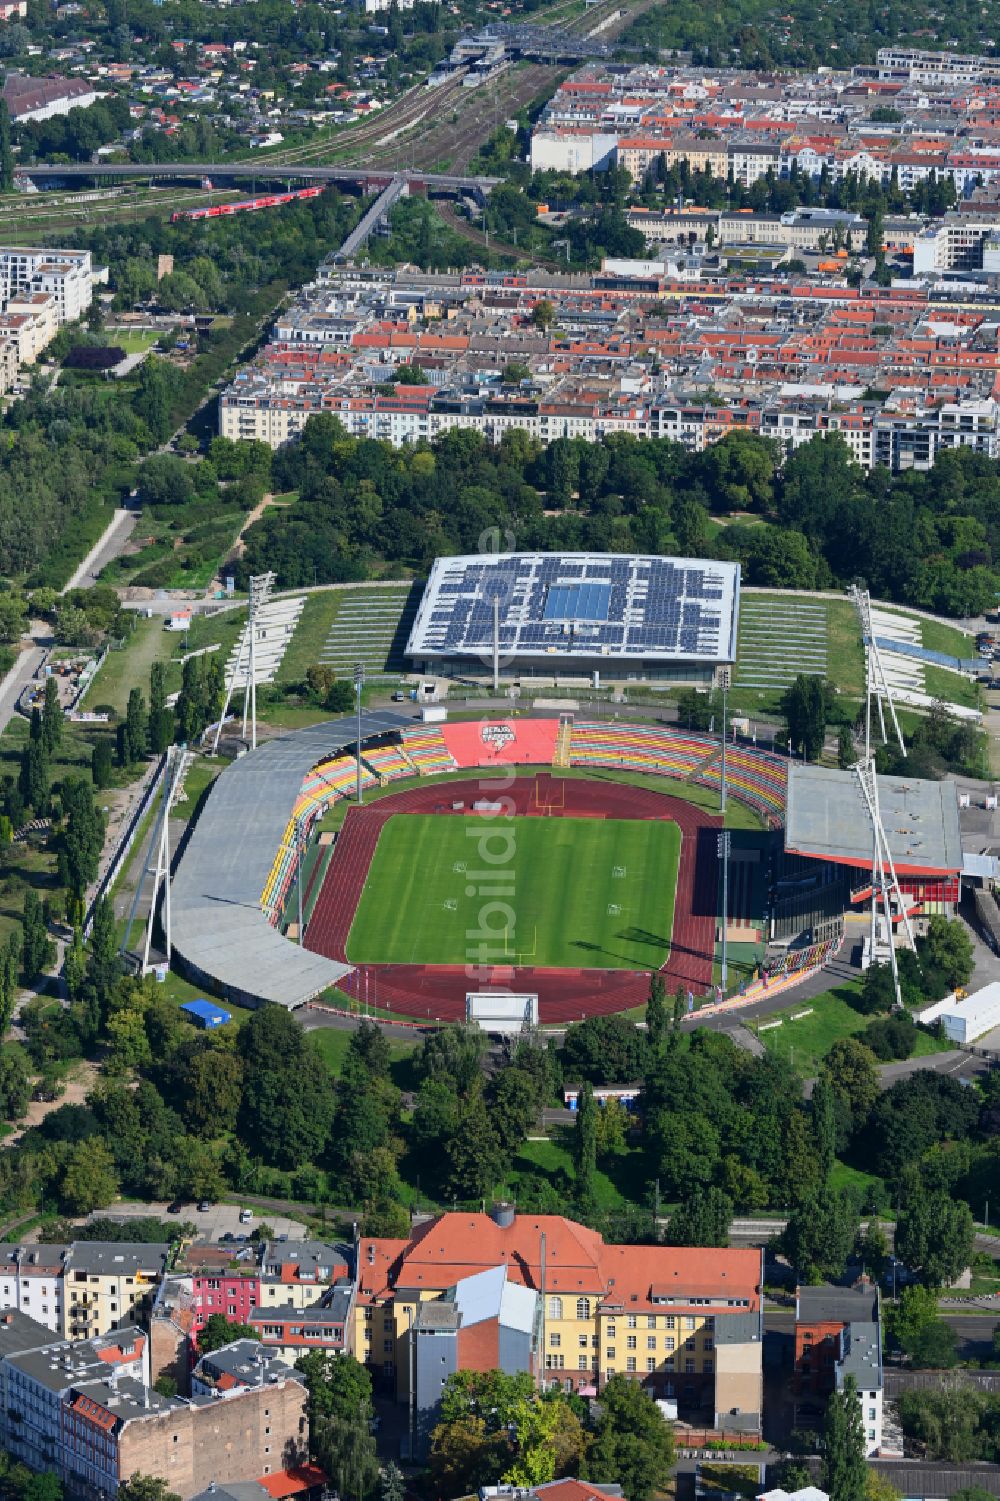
367,178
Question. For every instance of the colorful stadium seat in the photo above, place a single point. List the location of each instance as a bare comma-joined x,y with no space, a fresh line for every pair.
427,750
388,763
754,777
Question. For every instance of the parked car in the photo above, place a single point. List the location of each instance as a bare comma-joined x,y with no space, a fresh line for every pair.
246,1215
175,1207
204,1206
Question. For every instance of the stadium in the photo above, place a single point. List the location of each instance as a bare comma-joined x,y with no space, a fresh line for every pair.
550,855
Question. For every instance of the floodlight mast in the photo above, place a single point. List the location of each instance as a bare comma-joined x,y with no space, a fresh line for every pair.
876,681
173,773
261,585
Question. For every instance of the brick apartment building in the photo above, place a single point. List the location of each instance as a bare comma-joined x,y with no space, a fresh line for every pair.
838,1334
85,1411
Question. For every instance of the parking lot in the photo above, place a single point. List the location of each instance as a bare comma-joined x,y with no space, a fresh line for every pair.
213,1224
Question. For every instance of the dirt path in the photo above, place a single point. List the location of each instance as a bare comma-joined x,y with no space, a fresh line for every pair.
78,1086
239,546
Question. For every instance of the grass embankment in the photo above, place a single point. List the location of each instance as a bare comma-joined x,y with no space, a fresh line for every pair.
805,1041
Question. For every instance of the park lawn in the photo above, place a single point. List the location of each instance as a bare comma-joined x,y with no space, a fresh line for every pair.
579,892
866,1186
806,1042
132,340
845,653
332,1044
617,1184
129,668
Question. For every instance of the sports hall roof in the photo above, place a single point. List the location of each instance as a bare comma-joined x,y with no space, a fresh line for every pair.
579,604
825,818
219,929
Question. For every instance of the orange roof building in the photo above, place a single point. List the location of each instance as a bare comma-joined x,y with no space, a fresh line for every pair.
685,1322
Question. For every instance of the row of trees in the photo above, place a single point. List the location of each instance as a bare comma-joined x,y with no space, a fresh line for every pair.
922,539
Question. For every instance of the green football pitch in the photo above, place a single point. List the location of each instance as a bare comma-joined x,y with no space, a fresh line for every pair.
562,893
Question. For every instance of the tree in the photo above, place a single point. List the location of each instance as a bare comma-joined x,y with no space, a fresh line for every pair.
612,1129
605,1050
846,753
543,315
824,1126
104,965
340,1410
656,1012
514,1106
935,1347
161,719
935,1235
15,1086
101,764
475,1160
585,1140
89,1180
878,990
819,1235
844,1468
6,153
452,1054
218,1332
703,1220
33,777
145,1488
393,1485
37,949
947,948
132,743
632,1444
852,1072
52,717
805,709
82,837
873,1250
288,1101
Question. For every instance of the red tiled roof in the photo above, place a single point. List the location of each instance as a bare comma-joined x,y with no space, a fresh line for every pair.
292,1482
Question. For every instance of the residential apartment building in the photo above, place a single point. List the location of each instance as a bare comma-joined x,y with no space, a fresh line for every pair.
84,1289
86,1412
67,276
687,1324
299,1294
838,1335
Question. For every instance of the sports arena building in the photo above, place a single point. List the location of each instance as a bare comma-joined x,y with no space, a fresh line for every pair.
630,617
235,885
826,861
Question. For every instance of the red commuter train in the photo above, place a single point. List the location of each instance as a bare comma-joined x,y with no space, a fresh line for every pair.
244,206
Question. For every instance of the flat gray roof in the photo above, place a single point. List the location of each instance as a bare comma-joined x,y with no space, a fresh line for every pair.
825,817
827,1304
219,929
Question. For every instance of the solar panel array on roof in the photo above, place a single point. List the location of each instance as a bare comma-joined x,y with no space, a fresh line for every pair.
579,604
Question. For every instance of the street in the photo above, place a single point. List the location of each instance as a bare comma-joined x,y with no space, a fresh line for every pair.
107,547
21,674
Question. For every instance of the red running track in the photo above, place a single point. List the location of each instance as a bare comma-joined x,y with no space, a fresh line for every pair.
438,991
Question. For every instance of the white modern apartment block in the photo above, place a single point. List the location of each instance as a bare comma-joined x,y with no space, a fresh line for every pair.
67,276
